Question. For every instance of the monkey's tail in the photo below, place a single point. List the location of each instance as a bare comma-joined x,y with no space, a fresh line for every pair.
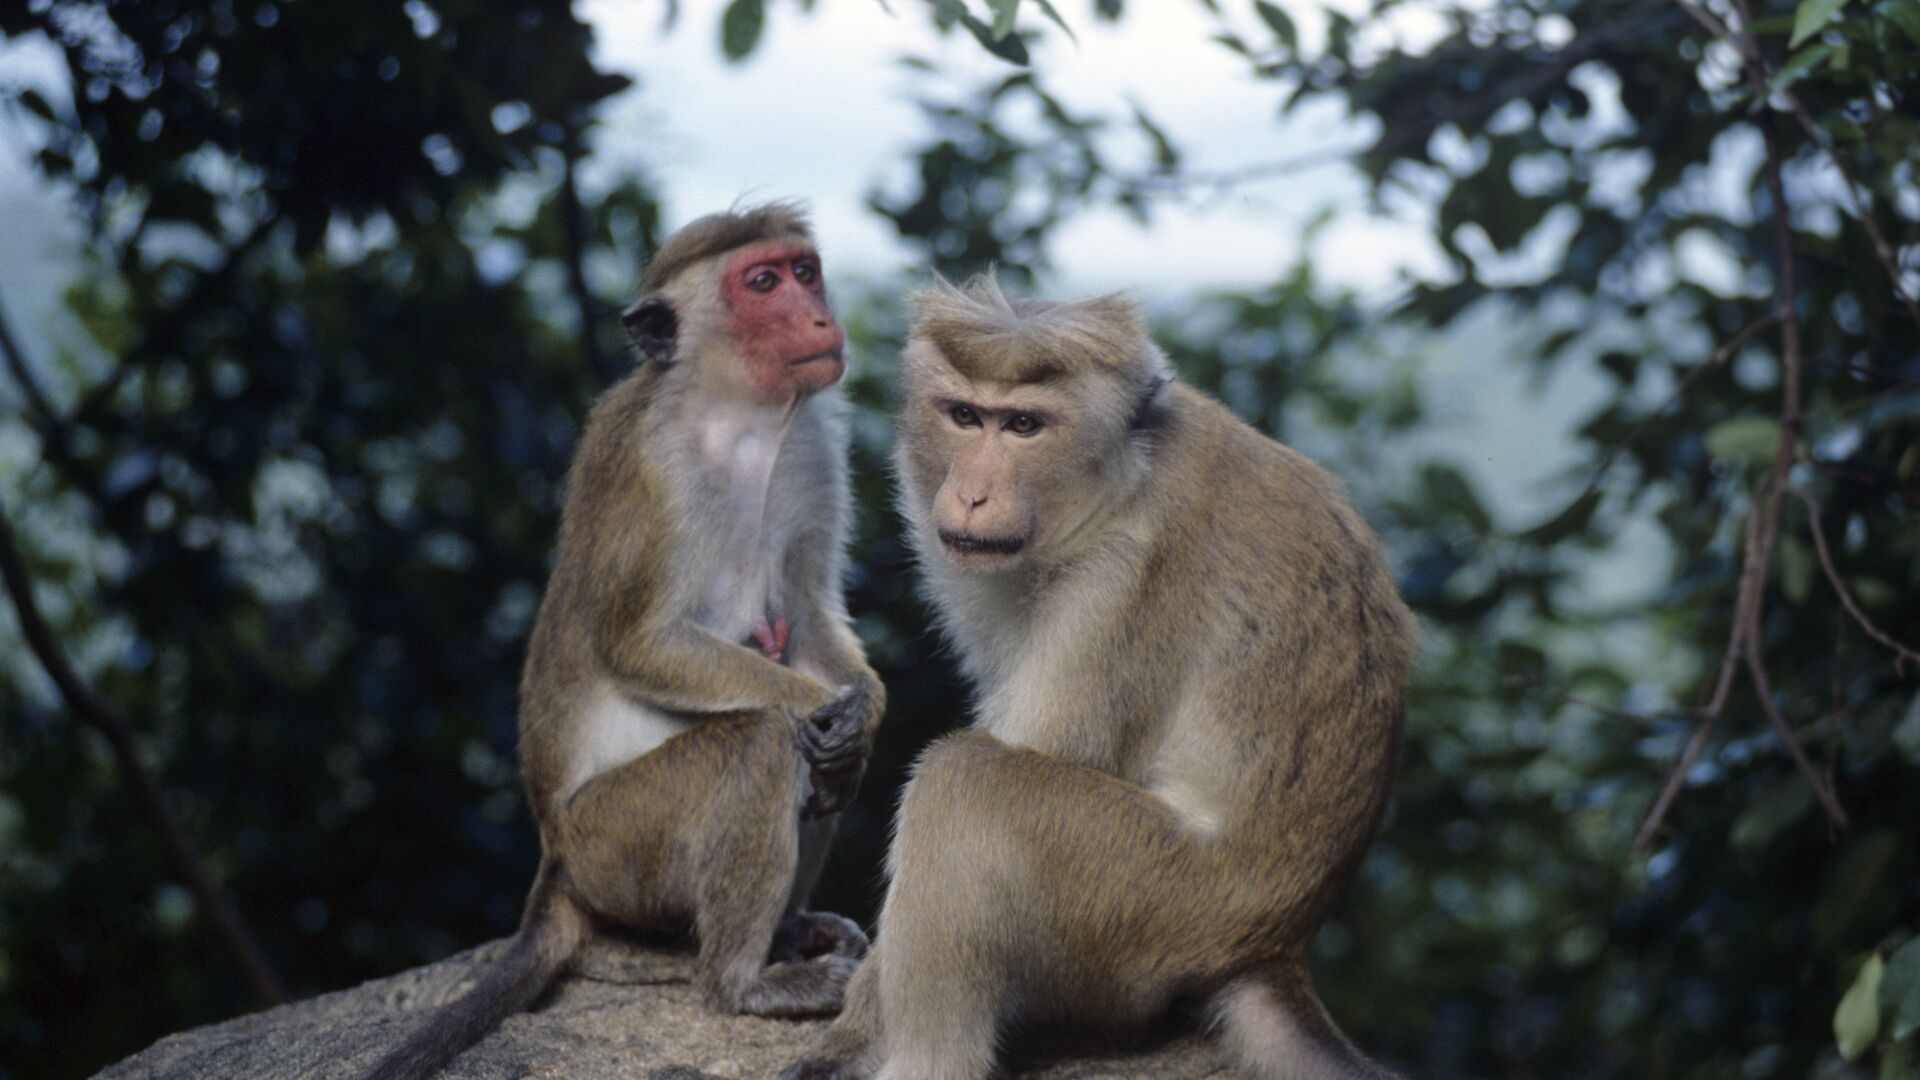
550,932
1274,1025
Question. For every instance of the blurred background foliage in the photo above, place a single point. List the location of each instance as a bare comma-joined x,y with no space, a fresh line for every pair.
292,511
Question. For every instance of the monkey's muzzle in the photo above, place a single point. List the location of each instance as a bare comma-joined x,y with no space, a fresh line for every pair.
837,353
968,544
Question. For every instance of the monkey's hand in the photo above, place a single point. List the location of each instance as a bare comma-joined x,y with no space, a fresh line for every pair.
833,742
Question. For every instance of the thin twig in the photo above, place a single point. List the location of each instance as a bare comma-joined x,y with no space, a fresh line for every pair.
1219,179
1901,654
106,718
1762,689
1708,714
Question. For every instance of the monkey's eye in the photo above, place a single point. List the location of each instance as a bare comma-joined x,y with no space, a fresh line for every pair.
805,273
1023,424
964,415
764,281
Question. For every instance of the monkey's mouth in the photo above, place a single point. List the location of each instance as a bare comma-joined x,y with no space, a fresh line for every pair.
968,544
837,353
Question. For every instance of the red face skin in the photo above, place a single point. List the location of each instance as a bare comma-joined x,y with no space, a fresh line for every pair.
778,317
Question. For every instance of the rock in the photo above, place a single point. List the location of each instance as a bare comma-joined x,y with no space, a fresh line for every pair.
626,1012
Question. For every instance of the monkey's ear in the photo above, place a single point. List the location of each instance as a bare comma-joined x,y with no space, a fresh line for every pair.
653,327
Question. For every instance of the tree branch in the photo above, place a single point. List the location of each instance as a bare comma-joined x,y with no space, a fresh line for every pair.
1821,789
1744,640
1901,654
573,228
107,719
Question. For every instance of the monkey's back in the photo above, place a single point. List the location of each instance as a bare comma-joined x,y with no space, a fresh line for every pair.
1294,624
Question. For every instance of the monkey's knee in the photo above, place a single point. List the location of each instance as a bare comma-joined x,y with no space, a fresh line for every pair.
953,773
952,813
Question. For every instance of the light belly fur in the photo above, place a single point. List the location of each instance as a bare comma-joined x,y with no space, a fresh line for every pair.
616,730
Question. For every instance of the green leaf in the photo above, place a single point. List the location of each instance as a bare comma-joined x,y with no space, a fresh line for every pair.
1003,15
1565,523
1811,17
1280,22
740,28
1857,1021
1750,439
1053,15
1795,567
1896,1063
1779,803
1009,48
1797,67
1907,735
1853,893
1900,991
1906,15
1232,41
1448,490
1165,157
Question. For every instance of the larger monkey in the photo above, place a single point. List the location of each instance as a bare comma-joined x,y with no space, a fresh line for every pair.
1189,661
669,755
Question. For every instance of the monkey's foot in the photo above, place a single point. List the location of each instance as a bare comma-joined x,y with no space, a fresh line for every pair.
804,935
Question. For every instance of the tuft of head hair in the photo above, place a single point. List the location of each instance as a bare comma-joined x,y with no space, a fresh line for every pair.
705,237
986,334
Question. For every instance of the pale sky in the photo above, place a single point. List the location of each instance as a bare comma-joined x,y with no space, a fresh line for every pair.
823,111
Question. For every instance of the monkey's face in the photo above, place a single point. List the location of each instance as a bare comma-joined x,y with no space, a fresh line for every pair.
1001,470
778,317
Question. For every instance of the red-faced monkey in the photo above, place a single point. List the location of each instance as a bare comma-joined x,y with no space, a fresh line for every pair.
1190,663
695,704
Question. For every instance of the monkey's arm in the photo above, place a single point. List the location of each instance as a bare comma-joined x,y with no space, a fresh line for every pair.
837,739
823,642
825,647
683,667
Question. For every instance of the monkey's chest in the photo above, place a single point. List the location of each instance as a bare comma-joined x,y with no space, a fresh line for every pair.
741,588
737,557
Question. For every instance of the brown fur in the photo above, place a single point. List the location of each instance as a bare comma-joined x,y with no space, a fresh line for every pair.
1190,686
667,760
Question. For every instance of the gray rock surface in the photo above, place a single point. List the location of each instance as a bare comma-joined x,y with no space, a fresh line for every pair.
626,1012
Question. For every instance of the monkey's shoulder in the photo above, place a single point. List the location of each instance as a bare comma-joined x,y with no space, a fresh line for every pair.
1224,459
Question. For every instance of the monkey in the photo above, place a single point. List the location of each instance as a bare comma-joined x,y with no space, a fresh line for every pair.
1189,663
694,706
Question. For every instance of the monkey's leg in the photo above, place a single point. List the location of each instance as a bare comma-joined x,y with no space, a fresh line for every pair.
1275,1026
804,934
851,1048
1025,885
745,879
708,822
